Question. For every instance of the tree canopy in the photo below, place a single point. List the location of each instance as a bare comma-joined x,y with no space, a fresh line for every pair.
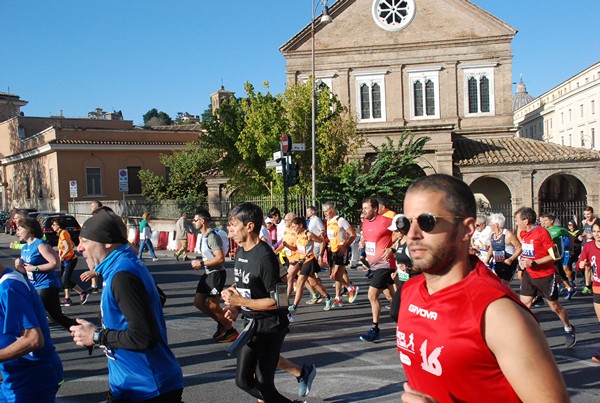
155,118
391,172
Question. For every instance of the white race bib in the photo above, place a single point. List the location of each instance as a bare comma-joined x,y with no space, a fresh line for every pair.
527,251
370,248
245,292
499,256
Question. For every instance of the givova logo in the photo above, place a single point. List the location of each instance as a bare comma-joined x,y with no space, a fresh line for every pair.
424,313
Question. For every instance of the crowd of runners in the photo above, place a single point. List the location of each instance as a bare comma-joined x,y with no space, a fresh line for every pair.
443,271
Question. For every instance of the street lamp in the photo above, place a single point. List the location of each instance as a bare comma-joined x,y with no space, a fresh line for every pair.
325,19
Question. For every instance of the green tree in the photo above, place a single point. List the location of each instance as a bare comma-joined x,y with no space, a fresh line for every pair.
155,118
248,131
185,182
389,175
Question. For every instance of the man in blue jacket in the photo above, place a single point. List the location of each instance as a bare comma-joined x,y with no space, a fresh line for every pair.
141,366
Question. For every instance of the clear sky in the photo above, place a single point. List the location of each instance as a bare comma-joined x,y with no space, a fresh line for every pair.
134,55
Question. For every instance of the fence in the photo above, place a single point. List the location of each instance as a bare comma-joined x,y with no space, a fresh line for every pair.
504,208
564,211
168,209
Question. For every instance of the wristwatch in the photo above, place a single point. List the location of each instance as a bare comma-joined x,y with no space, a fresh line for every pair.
96,337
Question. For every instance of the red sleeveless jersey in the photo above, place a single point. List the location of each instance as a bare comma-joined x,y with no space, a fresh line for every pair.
377,239
440,339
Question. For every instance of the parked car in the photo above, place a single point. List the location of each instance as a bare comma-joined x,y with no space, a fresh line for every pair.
72,226
10,225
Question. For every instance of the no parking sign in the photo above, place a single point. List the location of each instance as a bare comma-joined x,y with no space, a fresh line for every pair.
73,189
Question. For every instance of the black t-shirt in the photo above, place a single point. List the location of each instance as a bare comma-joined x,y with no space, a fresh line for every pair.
256,274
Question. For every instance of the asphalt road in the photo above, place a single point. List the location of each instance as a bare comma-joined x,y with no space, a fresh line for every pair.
348,370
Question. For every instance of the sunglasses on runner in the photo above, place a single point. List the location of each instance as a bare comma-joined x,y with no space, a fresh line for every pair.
427,221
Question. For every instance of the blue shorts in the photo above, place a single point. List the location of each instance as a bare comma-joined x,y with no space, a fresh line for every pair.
566,258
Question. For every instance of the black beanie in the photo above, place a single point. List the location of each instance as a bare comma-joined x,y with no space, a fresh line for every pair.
104,227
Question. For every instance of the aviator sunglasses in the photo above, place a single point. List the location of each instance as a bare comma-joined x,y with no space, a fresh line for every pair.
427,221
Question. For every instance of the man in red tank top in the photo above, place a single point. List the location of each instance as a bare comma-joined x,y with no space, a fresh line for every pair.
463,335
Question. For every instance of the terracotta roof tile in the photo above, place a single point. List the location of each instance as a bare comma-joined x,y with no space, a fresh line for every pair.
510,150
114,142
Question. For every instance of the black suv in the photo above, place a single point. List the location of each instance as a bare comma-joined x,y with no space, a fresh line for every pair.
72,226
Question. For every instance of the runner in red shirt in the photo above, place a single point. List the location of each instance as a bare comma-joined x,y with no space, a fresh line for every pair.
590,256
537,272
463,335
377,241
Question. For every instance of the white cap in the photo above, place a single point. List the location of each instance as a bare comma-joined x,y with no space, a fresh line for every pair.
393,226
268,220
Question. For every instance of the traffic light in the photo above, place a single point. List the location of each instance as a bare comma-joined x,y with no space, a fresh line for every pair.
292,175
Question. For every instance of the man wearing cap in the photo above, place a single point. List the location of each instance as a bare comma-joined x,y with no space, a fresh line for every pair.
141,365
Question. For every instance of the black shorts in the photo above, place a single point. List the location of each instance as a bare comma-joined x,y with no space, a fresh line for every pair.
212,284
309,268
333,259
596,298
382,279
545,286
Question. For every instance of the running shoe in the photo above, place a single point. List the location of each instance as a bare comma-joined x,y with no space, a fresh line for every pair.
338,302
344,292
292,308
291,317
319,299
154,259
352,294
84,295
229,336
220,331
570,293
94,290
305,382
66,302
328,304
586,290
561,289
312,301
596,357
372,335
570,338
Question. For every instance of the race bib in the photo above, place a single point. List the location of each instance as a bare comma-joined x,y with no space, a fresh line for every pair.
288,252
528,251
245,292
499,256
370,248
30,275
301,249
403,276
330,233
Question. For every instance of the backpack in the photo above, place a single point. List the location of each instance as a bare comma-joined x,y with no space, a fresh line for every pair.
224,240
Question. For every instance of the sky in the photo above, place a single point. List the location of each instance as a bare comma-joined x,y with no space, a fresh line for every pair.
134,55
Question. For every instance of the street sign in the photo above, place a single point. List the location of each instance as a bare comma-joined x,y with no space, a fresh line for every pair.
273,164
277,155
73,189
286,142
123,180
298,147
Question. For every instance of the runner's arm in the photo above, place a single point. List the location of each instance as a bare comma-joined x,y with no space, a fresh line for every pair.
523,354
30,340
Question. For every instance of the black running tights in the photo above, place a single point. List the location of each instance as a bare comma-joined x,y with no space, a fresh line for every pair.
256,365
51,301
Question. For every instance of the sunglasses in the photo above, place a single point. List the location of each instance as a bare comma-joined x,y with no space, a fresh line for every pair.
427,221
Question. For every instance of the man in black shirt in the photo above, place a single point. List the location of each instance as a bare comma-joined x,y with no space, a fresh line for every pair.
255,280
